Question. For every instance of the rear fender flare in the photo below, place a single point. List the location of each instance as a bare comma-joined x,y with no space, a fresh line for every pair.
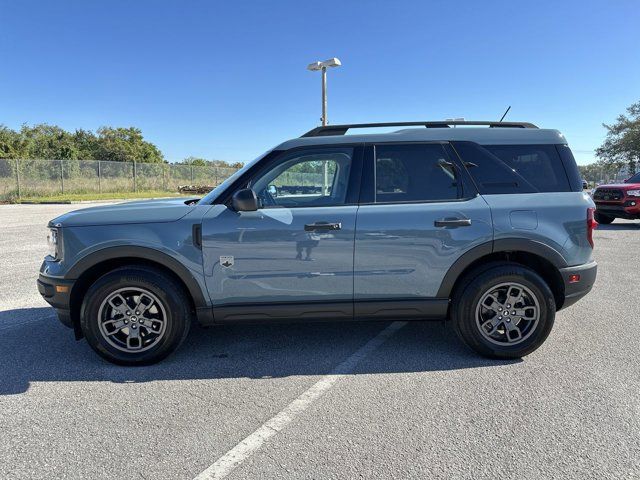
497,246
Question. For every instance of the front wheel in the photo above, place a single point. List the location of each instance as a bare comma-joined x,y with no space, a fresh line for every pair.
506,311
135,315
603,219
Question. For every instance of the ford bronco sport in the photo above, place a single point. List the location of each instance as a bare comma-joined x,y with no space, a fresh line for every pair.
484,224
618,200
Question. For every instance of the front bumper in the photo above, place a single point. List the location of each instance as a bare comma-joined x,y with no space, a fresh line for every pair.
575,290
629,209
57,293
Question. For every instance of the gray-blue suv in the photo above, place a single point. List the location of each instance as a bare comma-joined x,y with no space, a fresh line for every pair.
481,223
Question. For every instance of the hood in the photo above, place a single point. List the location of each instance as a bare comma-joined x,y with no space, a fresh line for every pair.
143,211
622,186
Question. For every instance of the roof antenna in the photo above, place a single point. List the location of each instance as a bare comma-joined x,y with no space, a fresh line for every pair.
505,114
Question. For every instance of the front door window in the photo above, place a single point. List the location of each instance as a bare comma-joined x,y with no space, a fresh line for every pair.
306,179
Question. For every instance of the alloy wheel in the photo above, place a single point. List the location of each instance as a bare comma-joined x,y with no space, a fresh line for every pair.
507,314
132,319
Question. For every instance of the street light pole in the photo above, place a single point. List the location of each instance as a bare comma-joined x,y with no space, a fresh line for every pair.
325,170
324,96
322,67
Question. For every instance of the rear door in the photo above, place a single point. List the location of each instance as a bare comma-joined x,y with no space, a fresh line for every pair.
418,214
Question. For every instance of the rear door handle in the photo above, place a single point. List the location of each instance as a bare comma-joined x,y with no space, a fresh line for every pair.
453,222
323,226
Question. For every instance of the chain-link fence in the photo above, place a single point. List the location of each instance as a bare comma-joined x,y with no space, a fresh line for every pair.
20,179
23,179
602,176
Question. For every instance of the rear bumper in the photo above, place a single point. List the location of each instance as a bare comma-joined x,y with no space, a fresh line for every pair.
575,290
56,293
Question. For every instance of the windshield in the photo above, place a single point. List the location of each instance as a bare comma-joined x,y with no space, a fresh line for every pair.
213,194
634,179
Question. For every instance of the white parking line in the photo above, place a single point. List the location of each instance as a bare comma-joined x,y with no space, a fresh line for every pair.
247,447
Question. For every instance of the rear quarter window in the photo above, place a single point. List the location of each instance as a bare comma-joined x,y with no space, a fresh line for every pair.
500,169
570,166
490,174
540,165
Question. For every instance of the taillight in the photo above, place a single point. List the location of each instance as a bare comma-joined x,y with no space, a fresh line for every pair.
591,224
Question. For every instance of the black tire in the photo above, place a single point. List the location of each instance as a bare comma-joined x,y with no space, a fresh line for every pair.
603,219
171,302
471,292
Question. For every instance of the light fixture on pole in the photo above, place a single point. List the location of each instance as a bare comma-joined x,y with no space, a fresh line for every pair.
322,66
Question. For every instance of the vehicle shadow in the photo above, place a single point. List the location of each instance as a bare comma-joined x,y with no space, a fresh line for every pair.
34,347
620,226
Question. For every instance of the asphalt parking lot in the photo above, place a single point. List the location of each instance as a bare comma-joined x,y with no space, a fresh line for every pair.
411,402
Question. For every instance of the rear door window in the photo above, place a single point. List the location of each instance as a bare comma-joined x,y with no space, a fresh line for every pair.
414,173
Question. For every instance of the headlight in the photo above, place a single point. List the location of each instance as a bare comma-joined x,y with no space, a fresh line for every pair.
633,193
53,241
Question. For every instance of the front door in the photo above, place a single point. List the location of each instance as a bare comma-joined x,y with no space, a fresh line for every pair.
293,257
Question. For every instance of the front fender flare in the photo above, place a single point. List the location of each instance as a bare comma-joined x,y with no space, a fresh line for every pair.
115,252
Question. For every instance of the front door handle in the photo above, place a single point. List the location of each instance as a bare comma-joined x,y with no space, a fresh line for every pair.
322,226
453,222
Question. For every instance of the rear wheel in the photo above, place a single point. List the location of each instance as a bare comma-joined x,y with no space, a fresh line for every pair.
506,311
603,219
135,315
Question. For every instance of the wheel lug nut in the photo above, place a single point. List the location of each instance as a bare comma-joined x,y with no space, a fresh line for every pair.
499,318
500,309
513,313
126,321
508,320
137,313
134,327
128,312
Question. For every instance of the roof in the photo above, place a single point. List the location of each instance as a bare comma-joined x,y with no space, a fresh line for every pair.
482,136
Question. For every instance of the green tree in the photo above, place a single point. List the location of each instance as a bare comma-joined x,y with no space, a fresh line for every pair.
622,144
47,142
116,144
203,162
126,145
198,162
87,144
11,145
44,141
599,172
223,164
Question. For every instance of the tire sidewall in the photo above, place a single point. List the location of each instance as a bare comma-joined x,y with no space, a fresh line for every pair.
467,302
163,288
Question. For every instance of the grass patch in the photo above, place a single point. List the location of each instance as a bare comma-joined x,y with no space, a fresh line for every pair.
87,197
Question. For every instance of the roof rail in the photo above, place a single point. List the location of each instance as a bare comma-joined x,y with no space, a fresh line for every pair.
342,129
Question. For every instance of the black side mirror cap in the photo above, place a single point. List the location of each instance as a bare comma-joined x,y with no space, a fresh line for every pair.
245,200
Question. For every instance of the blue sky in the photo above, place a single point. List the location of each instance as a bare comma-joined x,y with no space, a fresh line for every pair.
227,80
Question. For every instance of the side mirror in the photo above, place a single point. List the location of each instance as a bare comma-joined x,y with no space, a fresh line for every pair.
245,200
273,190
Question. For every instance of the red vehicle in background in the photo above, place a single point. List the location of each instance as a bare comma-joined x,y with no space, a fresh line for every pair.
621,200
